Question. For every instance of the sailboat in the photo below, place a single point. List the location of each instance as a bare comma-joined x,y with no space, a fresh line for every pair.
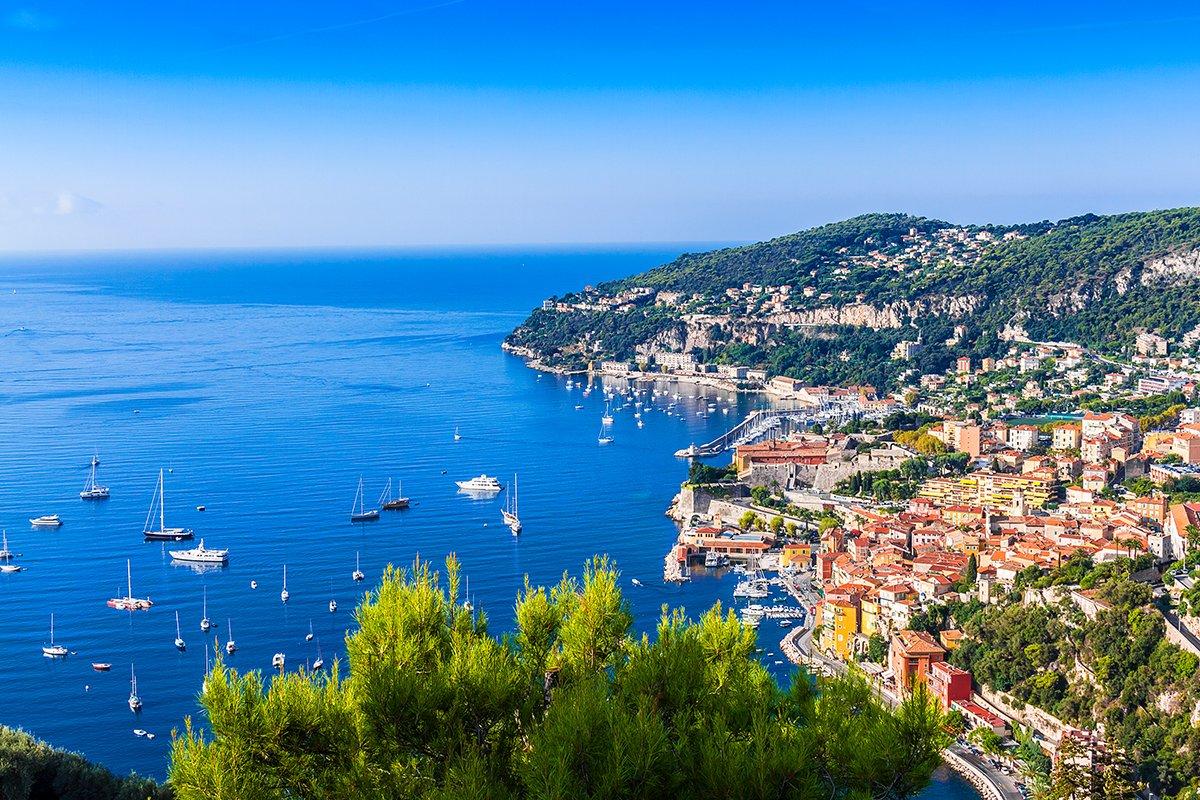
180,644
309,636
457,435
283,595
320,662
205,623
390,503
607,419
605,437
358,573
333,602
53,650
7,555
230,646
129,602
277,661
159,502
509,512
91,489
358,511
135,702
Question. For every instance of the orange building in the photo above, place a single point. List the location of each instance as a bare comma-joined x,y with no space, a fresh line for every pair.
910,657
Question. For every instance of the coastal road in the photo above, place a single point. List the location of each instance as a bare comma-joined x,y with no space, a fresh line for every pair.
1005,786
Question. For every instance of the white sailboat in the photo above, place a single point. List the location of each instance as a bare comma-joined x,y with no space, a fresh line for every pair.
205,623
230,645
509,512
607,419
283,595
135,701
457,435
53,650
159,503
320,662
7,555
129,602
180,644
277,661
605,437
332,602
91,489
357,575
358,510
309,636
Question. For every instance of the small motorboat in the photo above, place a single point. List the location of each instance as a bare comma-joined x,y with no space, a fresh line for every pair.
101,666
138,732
199,508
253,584
46,521
149,735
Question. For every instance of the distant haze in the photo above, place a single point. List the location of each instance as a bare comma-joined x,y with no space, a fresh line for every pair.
150,125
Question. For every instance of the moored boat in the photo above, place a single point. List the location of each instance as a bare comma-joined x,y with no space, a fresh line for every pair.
129,602
53,650
46,521
481,484
358,510
91,489
159,503
393,503
201,555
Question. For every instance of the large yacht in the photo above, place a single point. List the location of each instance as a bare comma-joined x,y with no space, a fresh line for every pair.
46,521
201,555
483,483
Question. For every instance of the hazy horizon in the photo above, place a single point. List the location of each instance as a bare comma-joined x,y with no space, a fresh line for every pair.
468,123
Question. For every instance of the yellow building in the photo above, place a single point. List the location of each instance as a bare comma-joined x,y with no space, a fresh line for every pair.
869,616
798,554
840,624
992,489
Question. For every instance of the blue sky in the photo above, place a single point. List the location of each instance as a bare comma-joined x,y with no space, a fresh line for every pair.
174,124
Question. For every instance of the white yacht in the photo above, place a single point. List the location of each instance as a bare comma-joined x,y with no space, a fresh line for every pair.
605,437
358,509
320,662
277,661
230,646
201,555
357,575
332,606
180,644
129,602
483,483
46,521
205,622
91,489
308,637
607,419
283,595
159,503
135,702
509,512
53,650
7,556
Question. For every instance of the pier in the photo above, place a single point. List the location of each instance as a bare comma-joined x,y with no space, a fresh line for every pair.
774,422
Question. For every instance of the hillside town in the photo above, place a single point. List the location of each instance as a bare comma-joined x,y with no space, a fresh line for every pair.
1050,481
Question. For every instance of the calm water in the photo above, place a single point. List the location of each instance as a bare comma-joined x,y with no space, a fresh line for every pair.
267,383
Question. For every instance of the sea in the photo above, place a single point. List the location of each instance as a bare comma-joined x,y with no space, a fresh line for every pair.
265,385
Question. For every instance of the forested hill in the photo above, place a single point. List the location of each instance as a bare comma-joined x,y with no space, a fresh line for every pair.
851,290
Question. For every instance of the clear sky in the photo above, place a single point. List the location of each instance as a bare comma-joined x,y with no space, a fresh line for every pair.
394,122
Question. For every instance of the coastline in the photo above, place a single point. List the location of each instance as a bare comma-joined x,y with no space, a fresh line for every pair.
533,361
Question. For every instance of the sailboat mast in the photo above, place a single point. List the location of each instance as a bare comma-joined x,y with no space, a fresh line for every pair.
128,579
162,502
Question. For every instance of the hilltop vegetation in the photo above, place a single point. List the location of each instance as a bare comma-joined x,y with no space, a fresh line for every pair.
829,304
569,705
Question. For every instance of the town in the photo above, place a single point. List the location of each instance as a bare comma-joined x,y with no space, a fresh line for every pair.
1052,482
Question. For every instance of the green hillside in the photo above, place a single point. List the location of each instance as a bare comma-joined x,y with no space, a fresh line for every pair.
1096,280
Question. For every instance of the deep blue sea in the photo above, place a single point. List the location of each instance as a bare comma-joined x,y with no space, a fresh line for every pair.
266,383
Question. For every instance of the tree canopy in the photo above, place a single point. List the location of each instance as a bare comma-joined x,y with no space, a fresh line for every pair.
569,705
